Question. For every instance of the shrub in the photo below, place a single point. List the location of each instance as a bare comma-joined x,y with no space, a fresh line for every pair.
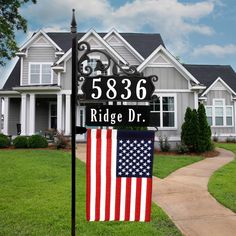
164,144
215,138
4,141
230,139
37,141
61,141
186,134
181,148
21,142
204,142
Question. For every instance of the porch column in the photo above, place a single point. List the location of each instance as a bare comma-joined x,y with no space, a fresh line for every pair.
234,116
1,114
23,114
68,111
196,100
59,112
6,113
32,114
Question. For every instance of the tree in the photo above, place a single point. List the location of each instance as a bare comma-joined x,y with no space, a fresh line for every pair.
194,131
10,21
185,129
204,130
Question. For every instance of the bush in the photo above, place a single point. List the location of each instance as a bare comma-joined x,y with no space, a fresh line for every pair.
164,144
181,148
21,142
61,141
37,141
215,138
204,143
4,141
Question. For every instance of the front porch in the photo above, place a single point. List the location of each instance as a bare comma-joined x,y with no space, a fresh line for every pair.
37,113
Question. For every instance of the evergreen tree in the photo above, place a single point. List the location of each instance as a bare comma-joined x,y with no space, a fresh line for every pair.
204,130
185,130
194,131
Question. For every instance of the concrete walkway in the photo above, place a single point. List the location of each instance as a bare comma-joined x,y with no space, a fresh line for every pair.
184,196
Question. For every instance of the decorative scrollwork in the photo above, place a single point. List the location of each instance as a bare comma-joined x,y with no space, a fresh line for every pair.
86,70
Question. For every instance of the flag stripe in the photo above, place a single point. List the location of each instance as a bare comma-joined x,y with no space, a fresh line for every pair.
127,199
103,177
148,199
143,199
88,164
117,206
138,199
122,198
133,199
108,176
93,175
113,174
98,179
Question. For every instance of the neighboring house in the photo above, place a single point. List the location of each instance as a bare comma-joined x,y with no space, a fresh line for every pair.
37,92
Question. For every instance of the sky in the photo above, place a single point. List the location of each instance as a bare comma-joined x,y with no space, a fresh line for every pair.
197,31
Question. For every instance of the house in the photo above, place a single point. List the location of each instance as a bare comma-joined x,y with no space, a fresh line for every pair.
37,93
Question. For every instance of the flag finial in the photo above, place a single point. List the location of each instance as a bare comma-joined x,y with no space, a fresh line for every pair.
73,22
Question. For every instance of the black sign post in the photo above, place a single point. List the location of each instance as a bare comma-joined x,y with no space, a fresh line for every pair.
125,84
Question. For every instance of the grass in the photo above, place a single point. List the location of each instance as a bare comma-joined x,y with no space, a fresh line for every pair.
164,165
222,184
35,199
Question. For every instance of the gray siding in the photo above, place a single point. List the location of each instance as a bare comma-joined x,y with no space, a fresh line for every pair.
38,54
221,94
66,77
14,115
126,54
169,78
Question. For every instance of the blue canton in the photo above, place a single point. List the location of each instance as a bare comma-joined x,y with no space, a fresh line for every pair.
134,158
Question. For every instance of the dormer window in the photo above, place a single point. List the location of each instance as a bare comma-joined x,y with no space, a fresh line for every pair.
40,73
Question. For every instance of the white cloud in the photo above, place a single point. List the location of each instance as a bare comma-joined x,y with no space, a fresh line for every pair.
215,50
173,19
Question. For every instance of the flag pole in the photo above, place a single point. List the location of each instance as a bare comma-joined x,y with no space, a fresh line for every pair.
73,122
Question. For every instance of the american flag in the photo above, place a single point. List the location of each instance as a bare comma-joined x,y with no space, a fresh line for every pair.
119,175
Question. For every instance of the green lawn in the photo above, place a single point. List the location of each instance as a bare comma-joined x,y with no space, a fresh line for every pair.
35,199
164,165
222,184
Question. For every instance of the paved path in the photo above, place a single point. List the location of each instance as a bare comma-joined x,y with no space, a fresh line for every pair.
184,196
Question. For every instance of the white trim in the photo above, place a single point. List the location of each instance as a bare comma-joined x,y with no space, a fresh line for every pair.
172,59
21,70
195,100
23,113
223,82
40,73
68,115
131,49
6,115
33,88
59,113
30,41
160,65
32,114
161,111
59,79
100,39
1,111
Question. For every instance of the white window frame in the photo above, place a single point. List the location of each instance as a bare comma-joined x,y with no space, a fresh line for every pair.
214,106
49,114
160,96
40,72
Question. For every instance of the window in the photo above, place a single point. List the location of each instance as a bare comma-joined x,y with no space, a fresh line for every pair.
92,62
219,114
53,116
163,112
40,73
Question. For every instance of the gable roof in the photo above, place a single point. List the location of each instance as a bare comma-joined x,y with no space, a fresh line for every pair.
207,74
14,78
144,44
